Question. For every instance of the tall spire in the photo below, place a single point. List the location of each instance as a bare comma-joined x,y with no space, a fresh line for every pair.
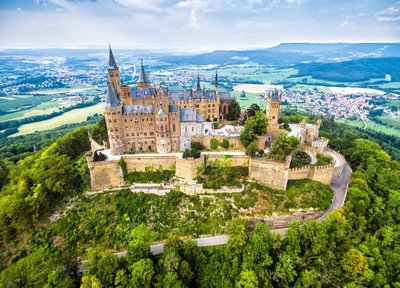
198,88
111,99
216,80
143,76
111,60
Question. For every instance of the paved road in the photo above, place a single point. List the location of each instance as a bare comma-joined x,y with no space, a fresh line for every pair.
339,187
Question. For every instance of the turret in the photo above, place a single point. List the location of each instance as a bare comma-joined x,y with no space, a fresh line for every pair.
113,115
216,86
143,81
113,73
274,98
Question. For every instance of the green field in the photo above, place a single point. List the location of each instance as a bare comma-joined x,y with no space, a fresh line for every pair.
74,116
373,126
394,122
41,109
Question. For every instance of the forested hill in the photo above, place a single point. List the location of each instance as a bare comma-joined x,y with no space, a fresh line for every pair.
352,71
357,246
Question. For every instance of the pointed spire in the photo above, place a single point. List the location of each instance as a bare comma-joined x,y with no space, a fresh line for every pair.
198,88
111,99
111,60
142,76
216,79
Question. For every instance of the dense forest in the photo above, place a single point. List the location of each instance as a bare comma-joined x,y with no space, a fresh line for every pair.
357,246
352,71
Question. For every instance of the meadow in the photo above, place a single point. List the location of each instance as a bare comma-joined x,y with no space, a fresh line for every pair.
74,116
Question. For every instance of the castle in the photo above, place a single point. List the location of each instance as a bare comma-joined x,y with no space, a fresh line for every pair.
146,119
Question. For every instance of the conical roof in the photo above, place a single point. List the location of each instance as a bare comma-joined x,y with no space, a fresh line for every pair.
142,76
198,88
111,99
161,112
111,61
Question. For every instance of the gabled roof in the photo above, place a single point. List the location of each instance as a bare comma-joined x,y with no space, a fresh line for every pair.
142,76
188,115
111,61
161,112
111,99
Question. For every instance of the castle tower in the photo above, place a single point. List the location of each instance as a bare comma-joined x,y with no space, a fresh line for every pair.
143,81
274,98
113,116
163,135
113,73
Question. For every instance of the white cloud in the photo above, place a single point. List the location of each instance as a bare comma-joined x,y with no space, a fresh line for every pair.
346,23
391,14
19,9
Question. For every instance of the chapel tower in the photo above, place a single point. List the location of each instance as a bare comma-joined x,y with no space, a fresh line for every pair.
274,98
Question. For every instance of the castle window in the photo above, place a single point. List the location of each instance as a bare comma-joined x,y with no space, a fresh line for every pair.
125,120
131,120
127,134
151,133
109,121
209,105
192,129
173,128
145,134
132,134
115,120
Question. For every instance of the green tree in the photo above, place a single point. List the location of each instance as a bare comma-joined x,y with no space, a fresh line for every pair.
214,143
225,143
255,125
354,263
248,279
234,110
284,145
252,149
142,273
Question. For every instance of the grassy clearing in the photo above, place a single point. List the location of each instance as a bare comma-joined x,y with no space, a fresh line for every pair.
23,101
74,116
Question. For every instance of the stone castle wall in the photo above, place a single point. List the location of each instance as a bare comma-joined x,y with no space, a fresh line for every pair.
270,173
205,140
140,162
323,174
187,168
104,174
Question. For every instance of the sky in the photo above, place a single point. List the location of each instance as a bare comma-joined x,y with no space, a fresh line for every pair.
195,25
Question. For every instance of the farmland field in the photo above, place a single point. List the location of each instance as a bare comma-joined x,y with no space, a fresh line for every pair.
74,116
373,126
41,109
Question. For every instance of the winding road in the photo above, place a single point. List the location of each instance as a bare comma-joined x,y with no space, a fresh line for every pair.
339,186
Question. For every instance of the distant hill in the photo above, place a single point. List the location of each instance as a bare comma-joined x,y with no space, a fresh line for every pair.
291,53
352,71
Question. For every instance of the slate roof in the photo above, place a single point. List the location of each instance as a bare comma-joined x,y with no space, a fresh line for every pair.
143,76
188,115
141,93
134,109
173,108
111,61
111,99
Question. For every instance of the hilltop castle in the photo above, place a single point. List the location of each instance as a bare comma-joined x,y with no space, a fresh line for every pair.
146,119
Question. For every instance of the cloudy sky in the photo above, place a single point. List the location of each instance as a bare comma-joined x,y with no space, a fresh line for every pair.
189,25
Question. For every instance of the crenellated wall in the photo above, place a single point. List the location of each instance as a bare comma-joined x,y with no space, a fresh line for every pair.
323,174
272,173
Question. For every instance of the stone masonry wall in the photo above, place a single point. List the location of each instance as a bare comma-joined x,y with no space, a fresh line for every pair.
321,174
270,173
139,162
187,168
104,174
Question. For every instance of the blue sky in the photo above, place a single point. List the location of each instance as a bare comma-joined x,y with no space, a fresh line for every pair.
191,25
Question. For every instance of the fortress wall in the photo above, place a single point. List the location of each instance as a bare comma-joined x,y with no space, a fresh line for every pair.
338,169
323,174
237,160
104,174
139,163
270,173
305,172
187,168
